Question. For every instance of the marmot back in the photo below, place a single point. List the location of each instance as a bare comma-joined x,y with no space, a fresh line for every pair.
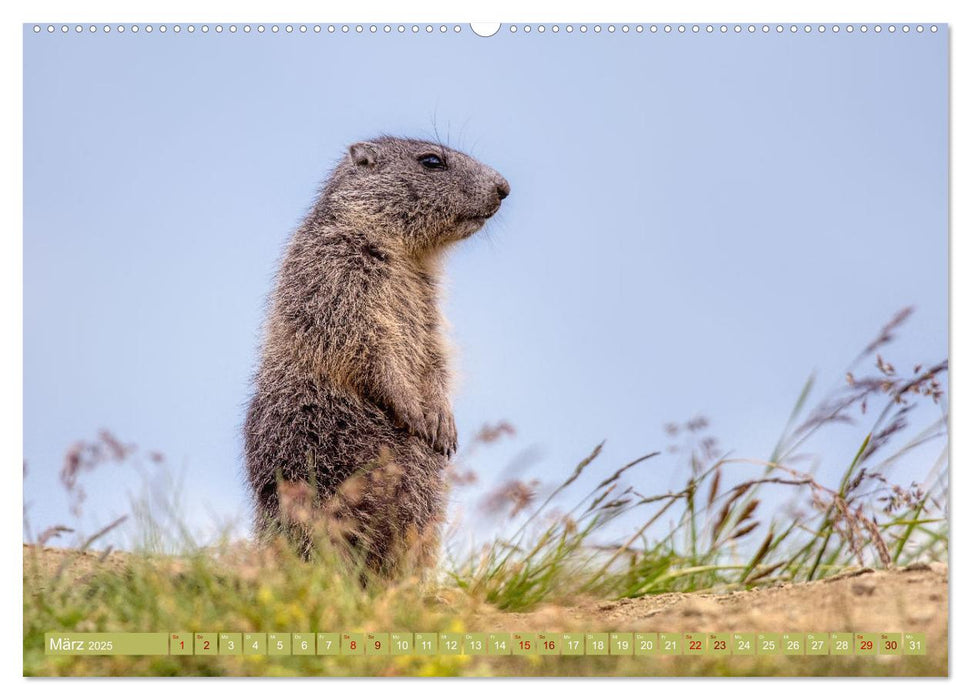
350,427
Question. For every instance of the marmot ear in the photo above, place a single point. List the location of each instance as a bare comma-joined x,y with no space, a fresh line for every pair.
363,153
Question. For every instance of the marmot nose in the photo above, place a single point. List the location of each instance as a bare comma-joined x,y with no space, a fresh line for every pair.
502,188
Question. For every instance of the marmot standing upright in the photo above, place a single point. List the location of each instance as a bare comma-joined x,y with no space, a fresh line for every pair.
351,399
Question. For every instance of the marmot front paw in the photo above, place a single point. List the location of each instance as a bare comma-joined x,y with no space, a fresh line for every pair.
413,419
444,437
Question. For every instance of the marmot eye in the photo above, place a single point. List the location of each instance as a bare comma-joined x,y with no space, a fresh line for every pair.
432,162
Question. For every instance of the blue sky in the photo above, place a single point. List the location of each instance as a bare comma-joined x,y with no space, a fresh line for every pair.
696,223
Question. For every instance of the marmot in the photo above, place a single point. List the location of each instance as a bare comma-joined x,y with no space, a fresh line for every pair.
350,427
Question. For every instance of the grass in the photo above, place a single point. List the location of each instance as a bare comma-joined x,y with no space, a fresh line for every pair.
814,531
735,524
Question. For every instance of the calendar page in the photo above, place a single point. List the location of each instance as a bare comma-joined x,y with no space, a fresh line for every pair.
513,349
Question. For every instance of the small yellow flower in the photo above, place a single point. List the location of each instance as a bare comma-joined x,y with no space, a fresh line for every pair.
295,611
430,670
456,626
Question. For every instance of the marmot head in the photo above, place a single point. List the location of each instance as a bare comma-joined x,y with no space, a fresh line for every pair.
423,193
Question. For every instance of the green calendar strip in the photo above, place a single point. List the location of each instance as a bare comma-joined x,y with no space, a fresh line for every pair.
487,643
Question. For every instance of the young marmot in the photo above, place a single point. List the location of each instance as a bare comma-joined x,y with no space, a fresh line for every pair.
350,427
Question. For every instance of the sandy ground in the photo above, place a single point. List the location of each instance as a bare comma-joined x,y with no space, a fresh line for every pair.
71,563
913,599
906,600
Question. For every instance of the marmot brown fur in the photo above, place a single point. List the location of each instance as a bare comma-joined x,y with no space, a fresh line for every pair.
350,427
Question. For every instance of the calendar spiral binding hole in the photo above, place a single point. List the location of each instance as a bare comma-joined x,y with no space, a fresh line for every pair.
376,29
